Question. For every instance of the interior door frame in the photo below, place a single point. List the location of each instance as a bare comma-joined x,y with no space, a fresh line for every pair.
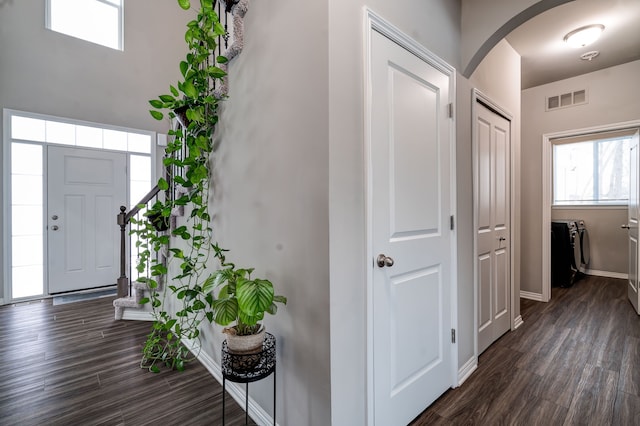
547,194
515,321
374,22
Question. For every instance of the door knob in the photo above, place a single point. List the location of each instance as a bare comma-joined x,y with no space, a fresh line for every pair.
54,217
501,239
383,261
625,226
54,228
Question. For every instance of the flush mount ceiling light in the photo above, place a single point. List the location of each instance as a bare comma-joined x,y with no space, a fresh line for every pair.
584,36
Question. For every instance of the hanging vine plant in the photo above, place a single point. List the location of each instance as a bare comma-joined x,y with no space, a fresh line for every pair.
227,296
193,103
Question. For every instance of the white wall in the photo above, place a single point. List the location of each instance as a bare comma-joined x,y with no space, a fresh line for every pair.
46,72
614,96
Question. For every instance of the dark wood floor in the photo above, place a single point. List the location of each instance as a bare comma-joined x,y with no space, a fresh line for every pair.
73,364
574,361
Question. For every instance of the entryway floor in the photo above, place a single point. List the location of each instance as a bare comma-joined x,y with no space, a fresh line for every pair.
72,364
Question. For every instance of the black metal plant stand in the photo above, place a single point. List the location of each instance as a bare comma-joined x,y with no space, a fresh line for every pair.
248,368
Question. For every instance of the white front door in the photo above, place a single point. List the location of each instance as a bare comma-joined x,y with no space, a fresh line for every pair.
492,203
85,189
411,204
634,214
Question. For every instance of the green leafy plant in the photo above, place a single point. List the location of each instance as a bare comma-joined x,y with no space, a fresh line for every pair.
240,299
187,163
189,296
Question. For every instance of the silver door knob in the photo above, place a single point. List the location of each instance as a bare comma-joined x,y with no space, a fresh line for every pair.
625,226
383,261
54,228
54,217
501,239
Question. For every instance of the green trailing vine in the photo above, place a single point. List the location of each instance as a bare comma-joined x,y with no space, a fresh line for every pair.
193,103
227,295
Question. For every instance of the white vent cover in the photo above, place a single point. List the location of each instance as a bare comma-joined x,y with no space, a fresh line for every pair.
564,100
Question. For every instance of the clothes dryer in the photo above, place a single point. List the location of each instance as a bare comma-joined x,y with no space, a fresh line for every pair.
583,236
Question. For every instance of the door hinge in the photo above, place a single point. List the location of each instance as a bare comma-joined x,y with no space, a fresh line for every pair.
450,108
451,222
453,335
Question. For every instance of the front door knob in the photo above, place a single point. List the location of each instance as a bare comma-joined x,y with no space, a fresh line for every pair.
383,261
625,226
54,228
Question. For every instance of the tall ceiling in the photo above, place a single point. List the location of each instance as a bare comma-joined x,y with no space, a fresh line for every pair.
546,57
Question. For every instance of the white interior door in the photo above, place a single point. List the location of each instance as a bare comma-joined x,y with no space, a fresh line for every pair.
634,213
411,201
493,242
84,191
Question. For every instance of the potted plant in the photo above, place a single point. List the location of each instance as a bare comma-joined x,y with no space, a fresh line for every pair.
242,301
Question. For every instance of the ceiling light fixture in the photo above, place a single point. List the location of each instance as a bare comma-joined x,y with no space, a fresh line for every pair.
584,36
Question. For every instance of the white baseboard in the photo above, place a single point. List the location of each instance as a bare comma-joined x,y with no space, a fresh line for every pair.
236,390
607,274
517,322
137,315
531,296
465,371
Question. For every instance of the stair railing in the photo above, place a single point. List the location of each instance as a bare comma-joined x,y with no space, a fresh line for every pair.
124,220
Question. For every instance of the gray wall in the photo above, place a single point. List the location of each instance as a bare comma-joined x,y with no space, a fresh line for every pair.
46,72
614,96
270,194
435,25
609,244
487,22
497,77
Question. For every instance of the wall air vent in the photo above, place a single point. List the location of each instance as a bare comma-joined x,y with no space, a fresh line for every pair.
568,99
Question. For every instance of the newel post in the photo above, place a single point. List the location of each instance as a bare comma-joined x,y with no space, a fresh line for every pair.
123,281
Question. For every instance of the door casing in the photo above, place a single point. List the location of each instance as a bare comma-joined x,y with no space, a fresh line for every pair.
376,23
547,195
515,320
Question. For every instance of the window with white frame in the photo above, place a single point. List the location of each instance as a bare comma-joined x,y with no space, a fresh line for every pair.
591,169
97,21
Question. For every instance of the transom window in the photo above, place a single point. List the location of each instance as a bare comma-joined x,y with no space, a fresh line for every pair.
591,169
97,21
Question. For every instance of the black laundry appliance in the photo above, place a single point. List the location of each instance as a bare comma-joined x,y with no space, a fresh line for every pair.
569,251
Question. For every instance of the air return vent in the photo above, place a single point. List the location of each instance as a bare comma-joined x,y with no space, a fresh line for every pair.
566,99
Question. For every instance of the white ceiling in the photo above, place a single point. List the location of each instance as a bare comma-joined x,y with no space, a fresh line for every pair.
546,58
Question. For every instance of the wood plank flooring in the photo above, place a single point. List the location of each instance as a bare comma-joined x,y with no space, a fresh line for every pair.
574,361
73,364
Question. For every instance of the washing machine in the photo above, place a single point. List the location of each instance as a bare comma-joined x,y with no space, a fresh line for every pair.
565,252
